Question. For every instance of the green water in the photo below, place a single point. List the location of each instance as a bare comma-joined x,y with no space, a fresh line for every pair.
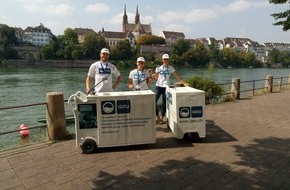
21,86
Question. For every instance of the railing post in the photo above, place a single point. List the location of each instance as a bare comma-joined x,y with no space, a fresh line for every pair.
269,83
55,116
288,81
236,88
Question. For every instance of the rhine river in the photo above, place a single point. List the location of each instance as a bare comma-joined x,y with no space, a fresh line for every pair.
21,86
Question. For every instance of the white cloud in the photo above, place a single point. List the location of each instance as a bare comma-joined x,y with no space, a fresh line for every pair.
98,8
50,9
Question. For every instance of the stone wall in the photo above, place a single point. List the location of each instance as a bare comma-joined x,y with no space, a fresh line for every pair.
47,63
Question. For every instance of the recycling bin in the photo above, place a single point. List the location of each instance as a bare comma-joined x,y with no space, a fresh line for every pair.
185,111
110,119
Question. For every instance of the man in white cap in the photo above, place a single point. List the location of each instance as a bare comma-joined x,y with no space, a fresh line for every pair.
139,79
102,72
162,74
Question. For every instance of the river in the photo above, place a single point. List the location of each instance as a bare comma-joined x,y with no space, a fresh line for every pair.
20,86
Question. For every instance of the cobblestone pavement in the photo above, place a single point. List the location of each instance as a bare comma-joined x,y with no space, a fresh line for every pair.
247,146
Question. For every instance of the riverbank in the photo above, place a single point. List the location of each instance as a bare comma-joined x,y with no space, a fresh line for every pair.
47,63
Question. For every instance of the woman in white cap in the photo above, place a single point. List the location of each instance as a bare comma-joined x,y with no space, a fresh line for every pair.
102,72
139,79
162,74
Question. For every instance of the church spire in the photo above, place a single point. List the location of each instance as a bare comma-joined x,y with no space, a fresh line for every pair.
125,17
137,17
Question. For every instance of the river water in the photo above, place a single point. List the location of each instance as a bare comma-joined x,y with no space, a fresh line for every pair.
21,86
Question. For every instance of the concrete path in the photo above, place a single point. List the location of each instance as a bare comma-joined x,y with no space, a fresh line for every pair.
247,147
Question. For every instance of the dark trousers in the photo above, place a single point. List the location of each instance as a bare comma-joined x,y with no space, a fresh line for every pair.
160,91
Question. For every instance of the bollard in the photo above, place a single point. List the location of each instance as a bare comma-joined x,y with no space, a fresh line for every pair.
236,88
55,116
269,83
288,81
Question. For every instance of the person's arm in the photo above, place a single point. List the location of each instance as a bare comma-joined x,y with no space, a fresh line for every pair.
179,78
117,82
88,84
130,84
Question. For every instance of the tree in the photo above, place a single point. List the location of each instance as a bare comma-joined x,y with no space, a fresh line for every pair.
274,56
282,15
93,45
8,36
180,47
150,40
121,51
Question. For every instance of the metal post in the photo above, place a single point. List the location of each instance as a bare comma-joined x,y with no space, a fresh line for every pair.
236,88
55,116
269,83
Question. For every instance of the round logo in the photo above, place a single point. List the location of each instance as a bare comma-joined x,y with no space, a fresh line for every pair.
184,112
108,107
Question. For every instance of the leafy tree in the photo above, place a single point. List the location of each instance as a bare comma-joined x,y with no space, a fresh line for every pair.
197,56
70,36
283,17
10,53
227,57
284,58
122,50
8,36
149,40
273,56
47,52
93,45
180,47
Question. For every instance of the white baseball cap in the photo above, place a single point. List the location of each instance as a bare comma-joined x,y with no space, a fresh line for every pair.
165,56
141,59
105,50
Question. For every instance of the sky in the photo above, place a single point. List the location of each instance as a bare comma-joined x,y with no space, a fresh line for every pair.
195,18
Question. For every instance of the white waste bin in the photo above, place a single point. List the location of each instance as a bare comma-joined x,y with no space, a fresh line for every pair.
185,111
110,119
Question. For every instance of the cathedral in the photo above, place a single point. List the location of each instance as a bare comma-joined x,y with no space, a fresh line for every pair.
137,29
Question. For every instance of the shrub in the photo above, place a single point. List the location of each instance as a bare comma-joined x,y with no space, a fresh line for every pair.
212,90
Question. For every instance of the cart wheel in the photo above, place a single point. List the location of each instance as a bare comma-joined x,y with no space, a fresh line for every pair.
88,146
194,137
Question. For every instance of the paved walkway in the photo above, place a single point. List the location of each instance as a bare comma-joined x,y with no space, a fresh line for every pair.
247,147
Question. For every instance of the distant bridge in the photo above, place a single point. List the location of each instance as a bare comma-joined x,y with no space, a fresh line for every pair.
28,52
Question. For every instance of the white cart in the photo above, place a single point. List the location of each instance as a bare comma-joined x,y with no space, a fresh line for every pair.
185,111
113,119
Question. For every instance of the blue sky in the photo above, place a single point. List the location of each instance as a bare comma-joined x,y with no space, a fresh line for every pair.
196,19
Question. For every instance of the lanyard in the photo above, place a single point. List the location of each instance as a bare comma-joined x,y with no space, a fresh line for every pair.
104,70
139,76
164,71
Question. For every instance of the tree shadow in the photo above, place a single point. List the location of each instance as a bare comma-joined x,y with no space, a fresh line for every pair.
263,164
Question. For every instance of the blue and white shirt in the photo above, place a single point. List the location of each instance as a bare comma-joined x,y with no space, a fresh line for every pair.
163,75
139,78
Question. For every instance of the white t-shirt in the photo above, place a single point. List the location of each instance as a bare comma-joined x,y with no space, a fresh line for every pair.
139,78
99,71
163,75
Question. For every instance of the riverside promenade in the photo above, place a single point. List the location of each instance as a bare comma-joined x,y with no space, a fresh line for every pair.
247,147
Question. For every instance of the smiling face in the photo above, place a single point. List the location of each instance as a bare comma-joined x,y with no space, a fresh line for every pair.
104,57
165,62
140,65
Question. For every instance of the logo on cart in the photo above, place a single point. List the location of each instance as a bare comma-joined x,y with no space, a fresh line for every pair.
184,112
123,106
196,111
108,107
193,112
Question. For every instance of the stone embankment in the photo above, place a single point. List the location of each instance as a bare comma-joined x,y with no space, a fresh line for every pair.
47,63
